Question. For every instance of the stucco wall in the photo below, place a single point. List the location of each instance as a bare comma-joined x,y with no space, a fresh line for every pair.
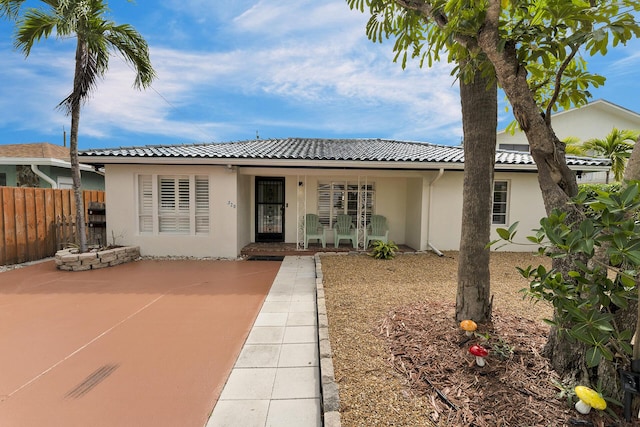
413,215
121,188
525,206
244,207
391,201
446,212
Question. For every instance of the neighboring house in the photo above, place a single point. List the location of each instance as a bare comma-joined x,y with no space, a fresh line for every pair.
213,199
594,120
43,165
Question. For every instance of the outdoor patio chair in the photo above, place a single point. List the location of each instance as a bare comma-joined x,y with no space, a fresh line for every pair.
344,229
377,230
313,230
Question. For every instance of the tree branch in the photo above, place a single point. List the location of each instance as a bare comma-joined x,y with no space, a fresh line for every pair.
556,89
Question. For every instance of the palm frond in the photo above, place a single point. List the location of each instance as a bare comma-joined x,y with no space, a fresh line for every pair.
135,51
10,8
35,25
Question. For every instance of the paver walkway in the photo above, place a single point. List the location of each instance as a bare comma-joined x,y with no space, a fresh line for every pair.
276,379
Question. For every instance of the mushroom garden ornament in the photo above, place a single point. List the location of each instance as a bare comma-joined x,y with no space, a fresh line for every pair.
479,352
589,398
469,327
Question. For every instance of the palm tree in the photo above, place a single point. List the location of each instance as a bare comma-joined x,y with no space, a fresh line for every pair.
95,37
573,146
617,147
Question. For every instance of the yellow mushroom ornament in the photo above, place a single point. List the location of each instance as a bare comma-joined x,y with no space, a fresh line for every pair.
468,326
589,398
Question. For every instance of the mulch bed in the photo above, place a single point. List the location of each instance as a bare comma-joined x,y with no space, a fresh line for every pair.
516,387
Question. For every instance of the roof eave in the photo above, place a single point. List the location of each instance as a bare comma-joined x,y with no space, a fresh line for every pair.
42,162
312,163
271,162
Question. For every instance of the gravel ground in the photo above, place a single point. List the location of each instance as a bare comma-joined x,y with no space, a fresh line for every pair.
363,294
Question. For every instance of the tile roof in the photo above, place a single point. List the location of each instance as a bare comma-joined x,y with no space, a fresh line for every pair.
365,150
36,150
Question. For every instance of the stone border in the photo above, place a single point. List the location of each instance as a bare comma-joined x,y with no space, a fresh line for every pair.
71,260
328,385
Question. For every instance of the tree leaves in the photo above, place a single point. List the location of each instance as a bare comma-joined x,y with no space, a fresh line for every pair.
585,299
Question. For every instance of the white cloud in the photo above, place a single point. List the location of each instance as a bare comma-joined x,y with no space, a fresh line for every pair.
329,72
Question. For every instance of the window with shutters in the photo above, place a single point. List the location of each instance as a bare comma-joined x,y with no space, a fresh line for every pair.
173,205
344,197
500,202
180,204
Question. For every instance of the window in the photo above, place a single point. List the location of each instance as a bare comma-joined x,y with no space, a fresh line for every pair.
181,204
3,179
344,197
500,200
173,205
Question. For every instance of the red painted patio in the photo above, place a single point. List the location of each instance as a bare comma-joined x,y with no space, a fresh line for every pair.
149,343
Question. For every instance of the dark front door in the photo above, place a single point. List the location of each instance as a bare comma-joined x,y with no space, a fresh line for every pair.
269,209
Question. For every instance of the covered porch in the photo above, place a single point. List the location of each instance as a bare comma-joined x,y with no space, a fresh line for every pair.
275,249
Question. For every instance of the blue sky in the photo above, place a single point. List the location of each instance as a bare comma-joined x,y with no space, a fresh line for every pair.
228,70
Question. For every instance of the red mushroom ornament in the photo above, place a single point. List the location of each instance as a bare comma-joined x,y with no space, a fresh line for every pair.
479,352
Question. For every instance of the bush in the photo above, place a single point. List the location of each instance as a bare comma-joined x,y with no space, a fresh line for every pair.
592,191
382,250
586,300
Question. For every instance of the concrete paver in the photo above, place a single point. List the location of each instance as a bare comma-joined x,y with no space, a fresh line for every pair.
276,379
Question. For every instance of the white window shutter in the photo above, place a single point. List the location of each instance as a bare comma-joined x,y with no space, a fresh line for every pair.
173,209
202,204
145,204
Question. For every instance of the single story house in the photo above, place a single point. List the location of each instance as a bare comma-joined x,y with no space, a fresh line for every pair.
43,165
211,200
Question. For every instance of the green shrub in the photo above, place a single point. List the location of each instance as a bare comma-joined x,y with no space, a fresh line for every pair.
586,300
595,190
382,250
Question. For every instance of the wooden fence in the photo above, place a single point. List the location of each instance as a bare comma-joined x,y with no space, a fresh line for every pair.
28,220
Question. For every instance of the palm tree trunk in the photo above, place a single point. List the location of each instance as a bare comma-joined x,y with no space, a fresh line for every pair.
479,121
81,51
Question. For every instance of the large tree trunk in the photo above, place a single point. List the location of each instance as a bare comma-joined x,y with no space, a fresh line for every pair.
479,121
81,52
557,182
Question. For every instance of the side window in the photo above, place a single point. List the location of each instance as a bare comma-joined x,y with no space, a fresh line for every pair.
500,202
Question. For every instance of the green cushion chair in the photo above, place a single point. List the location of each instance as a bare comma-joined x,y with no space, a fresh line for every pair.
313,230
377,230
344,229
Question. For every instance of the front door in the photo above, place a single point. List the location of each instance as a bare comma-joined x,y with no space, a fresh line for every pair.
269,209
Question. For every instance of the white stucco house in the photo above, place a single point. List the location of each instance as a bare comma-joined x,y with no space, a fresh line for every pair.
211,200
594,120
